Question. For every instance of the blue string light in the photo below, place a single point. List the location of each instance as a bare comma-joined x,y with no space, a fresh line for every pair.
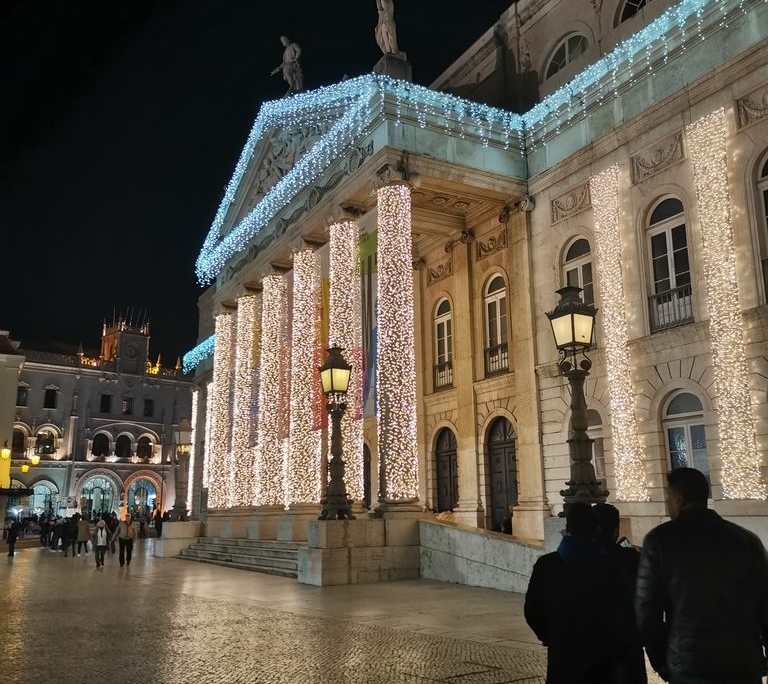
201,352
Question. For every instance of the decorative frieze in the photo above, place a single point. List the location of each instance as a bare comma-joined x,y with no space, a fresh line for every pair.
440,271
571,203
657,157
752,107
492,244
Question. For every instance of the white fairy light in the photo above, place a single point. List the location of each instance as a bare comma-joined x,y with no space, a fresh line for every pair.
219,462
396,363
631,480
345,330
272,427
209,403
303,468
740,475
242,476
192,451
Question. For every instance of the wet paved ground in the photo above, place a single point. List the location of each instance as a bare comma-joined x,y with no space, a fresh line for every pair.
168,621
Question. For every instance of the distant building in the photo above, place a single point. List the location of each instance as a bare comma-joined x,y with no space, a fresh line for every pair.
102,426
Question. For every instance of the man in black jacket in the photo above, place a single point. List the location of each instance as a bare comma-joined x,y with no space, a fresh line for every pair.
702,592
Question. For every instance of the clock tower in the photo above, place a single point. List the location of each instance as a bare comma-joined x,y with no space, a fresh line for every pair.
127,345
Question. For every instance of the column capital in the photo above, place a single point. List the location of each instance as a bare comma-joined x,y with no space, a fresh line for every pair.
391,175
344,213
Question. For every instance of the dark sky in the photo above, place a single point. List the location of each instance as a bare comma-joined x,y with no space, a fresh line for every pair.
120,126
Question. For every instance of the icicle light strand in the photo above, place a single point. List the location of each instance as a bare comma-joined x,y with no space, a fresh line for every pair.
396,363
271,430
345,330
631,480
303,473
740,475
221,433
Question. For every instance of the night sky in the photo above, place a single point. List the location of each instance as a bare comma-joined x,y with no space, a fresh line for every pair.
121,124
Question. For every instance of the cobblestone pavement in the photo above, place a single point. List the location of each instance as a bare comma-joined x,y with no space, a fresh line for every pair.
168,621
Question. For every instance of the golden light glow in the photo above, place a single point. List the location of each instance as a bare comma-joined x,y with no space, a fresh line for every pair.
631,480
34,459
243,476
209,402
303,471
396,363
192,451
273,404
221,433
740,475
345,330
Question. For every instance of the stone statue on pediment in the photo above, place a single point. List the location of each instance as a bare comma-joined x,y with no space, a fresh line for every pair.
386,33
290,66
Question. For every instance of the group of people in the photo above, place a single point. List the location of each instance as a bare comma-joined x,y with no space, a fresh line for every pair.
695,598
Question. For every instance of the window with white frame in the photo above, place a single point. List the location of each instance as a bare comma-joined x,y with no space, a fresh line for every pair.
571,47
443,345
631,8
685,434
670,303
496,350
577,269
762,201
596,433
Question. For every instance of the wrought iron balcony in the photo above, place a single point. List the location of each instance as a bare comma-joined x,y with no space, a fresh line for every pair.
671,308
443,375
496,359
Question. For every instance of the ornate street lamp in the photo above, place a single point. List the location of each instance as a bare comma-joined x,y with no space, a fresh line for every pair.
334,374
573,324
5,452
182,435
25,467
34,459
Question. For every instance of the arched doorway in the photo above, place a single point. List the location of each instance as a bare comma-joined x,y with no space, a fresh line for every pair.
502,469
366,476
98,497
446,470
142,496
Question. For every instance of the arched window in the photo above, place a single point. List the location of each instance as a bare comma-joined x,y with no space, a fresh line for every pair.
685,435
144,448
42,499
123,447
631,8
19,444
496,350
45,444
443,345
670,303
762,191
577,269
100,446
447,471
98,497
567,50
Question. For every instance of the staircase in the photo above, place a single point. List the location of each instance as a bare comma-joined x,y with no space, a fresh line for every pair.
271,557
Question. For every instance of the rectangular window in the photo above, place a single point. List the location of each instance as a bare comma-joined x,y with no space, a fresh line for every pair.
127,406
49,399
149,408
106,403
22,395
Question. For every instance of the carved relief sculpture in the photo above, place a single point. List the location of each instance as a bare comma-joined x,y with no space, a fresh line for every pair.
571,203
439,271
661,155
492,244
753,107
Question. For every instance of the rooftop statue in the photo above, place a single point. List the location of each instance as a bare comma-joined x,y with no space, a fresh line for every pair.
290,66
386,34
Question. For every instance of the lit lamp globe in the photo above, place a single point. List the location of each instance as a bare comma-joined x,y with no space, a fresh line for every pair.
335,372
25,467
573,321
34,459
5,452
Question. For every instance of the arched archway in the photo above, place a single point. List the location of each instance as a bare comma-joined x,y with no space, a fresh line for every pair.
446,470
501,451
100,446
123,446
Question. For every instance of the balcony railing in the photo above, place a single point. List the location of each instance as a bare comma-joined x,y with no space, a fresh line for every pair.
671,308
496,359
443,375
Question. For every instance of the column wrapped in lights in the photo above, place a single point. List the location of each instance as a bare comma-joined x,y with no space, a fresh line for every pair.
395,355
209,401
345,331
303,471
272,427
247,349
631,480
219,463
193,450
740,475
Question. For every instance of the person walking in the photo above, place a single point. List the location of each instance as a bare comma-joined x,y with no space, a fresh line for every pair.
100,542
125,533
158,518
702,592
12,534
579,604
83,533
112,524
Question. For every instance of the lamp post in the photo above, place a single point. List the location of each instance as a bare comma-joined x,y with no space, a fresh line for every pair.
182,434
573,324
334,374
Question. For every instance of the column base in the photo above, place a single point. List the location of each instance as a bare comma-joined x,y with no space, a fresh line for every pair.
230,523
176,536
528,520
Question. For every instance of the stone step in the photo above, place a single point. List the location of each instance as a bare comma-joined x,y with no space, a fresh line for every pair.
268,570
265,552
268,556
243,559
256,543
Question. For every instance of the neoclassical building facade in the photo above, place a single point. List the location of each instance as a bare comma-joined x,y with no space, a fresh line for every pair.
618,145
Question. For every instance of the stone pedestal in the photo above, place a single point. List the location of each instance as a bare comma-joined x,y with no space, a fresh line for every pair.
293,524
528,520
176,536
553,533
263,521
394,65
230,523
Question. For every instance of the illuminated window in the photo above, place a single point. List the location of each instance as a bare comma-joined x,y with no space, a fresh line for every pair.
443,345
685,434
126,407
577,269
22,395
45,443
631,8
670,303
105,404
568,49
762,191
496,350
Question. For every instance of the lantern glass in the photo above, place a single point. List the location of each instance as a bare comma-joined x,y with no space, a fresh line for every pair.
5,453
335,372
34,459
25,468
572,320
